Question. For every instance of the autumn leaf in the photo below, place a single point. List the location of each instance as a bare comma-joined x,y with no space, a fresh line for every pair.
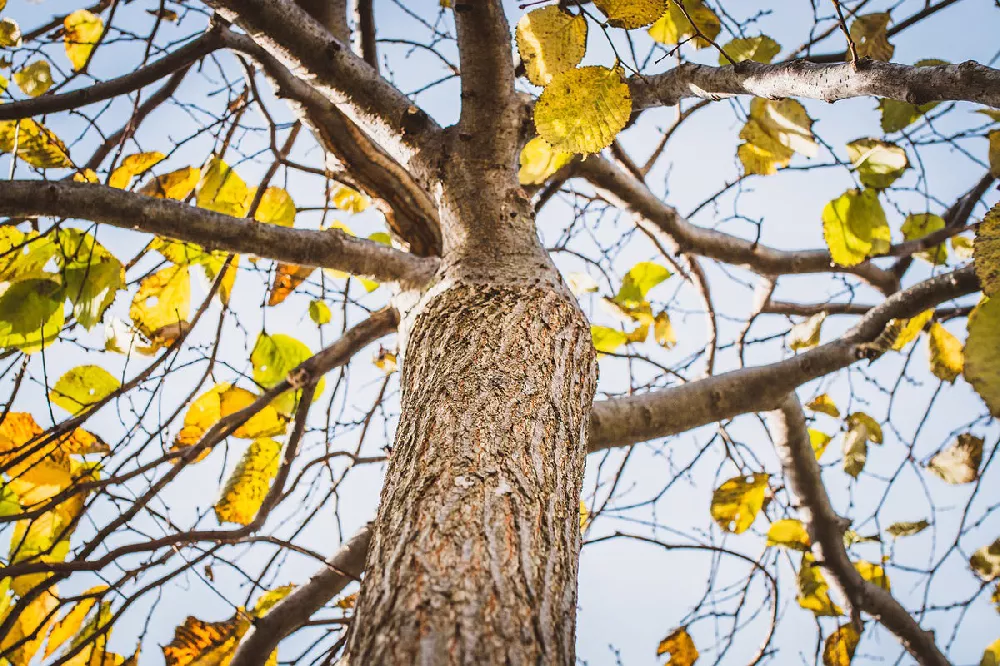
631,14
607,340
551,41
981,369
200,643
921,224
222,190
349,200
319,312
221,401
873,573
162,303
905,529
986,251
638,282
805,334
83,386
906,331
879,163
132,166
583,110
177,184
959,462
985,562
868,32
855,227
539,161
789,533
673,27
91,275
273,357
814,591
276,207
10,33
34,79
736,503
36,144
824,404
947,359
286,278
774,131
249,483
31,314
839,647
82,31
680,646
760,49
819,441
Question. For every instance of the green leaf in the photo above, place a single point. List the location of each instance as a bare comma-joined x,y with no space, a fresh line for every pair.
905,529
83,386
273,357
583,110
550,41
638,281
986,252
759,49
31,314
855,227
736,503
898,115
959,462
879,163
34,79
981,367
921,224
92,276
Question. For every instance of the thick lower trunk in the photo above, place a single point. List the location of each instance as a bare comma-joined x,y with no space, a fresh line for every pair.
475,549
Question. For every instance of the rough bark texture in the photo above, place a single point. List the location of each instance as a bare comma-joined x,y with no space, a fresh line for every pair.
475,551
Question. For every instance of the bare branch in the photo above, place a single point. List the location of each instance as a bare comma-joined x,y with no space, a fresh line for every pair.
295,610
968,81
128,210
826,531
680,235
624,421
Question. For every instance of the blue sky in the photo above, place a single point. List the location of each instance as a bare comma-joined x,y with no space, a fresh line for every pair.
631,595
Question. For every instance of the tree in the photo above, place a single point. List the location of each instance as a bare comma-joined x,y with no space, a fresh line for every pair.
473,556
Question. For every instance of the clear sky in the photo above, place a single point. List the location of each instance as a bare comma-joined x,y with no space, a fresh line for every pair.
631,595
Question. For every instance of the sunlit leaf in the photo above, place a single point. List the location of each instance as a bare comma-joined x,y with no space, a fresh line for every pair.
824,404
273,357
221,401
10,33
868,32
36,144
276,207
34,79
82,31
805,335
319,312
631,14
73,620
607,340
819,441
539,160
581,283
174,185
200,643
991,656
873,573
674,27
583,110
92,276
921,224
640,279
42,539
872,428
959,461
222,190
663,330
385,360
985,562
349,200
774,131
28,631
986,251
981,367
839,647
907,528
947,359
908,329
270,599
680,646
31,314
814,591
83,386
759,49
855,227
736,503
788,533
994,152
132,166
286,278
162,302
879,163
249,483
549,41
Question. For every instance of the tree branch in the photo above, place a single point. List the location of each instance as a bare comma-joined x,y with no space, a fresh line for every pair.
826,531
624,421
968,81
674,231
128,210
173,62
295,610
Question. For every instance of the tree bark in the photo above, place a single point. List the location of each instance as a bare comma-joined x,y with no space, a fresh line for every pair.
475,550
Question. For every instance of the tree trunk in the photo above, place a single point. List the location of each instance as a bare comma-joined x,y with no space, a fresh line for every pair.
475,550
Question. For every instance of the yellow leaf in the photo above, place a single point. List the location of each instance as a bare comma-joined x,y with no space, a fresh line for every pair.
133,165
31,314
276,207
29,629
550,41
249,483
34,79
921,224
855,449
663,330
91,275
36,144
906,331
273,357
986,251
319,312
349,200
347,602
82,32
855,227
539,160
385,361
839,647
985,562
86,176
819,441
873,431
824,404
584,516
805,335
270,599
814,592
959,462
222,190
219,402
774,131
286,279
907,528
631,14
200,643
946,353
83,386
637,283
759,49
879,163
10,33
174,185
868,32
71,623
583,110
991,656
680,646
736,503
873,573
162,302
607,340
981,367
789,533
994,152
674,27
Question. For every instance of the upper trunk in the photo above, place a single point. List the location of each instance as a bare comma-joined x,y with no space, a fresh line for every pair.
476,545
